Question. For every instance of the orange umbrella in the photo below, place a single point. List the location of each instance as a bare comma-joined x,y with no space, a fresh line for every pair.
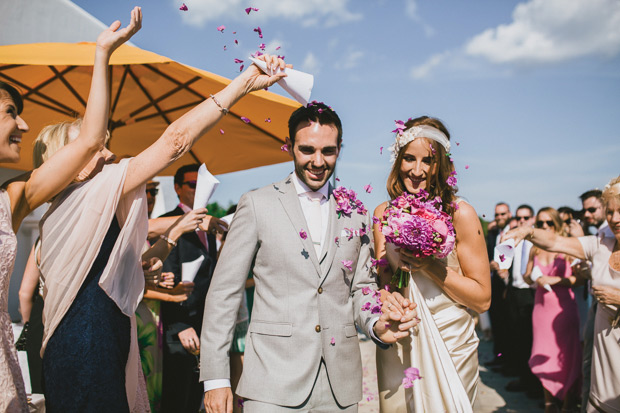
148,92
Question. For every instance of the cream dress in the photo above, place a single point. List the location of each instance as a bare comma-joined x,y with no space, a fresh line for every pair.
443,346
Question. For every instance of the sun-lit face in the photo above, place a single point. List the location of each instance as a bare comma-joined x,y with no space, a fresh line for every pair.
315,153
502,215
612,211
187,190
416,165
544,221
11,128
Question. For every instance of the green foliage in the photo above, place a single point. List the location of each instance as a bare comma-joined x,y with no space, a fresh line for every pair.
217,210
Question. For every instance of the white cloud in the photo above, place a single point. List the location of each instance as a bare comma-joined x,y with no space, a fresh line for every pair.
424,70
350,60
411,10
307,12
311,64
546,31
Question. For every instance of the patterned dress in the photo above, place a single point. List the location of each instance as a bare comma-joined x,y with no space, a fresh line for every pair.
12,392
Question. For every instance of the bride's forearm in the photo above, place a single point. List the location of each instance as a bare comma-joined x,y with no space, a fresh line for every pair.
465,291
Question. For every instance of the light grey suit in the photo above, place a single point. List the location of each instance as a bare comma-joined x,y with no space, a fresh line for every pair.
301,302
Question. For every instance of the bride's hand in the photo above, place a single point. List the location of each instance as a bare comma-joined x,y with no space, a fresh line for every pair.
256,79
398,315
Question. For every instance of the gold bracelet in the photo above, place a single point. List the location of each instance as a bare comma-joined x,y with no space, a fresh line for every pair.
168,240
219,105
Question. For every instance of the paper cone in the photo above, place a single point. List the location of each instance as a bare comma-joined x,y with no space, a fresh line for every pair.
205,187
190,269
504,253
297,84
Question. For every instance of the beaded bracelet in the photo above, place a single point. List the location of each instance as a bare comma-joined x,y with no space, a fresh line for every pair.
168,240
219,105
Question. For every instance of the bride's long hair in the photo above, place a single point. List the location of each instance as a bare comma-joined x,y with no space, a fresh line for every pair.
440,169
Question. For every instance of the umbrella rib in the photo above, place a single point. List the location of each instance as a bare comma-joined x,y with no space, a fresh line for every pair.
176,82
34,91
148,96
48,81
45,105
68,86
191,152
118,91
164,96
7,67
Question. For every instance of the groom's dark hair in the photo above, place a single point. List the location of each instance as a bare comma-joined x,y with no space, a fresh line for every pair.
314,112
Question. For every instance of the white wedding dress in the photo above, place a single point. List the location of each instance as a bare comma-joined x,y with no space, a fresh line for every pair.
443,346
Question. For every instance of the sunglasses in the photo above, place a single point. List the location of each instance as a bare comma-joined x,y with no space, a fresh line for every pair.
539,224
152,191
523,218
191,184
567,221
591,210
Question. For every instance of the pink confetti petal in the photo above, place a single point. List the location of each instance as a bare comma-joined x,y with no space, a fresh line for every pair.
366,290
221,28
241,70
222,131
348,264
368,188
336,240
333,342
259,31
303,234
224,47
249,9
268,120
262,46
238,60
236,42
183,7
381,150
466,166
337,179
246,120
278,48
502,257
284,148
457,144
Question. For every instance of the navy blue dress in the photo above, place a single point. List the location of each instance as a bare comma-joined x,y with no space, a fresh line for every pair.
84,362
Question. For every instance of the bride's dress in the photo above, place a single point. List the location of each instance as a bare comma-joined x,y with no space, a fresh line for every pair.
444,347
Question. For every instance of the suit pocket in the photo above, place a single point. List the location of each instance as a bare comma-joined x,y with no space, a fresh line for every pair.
349,330
271,329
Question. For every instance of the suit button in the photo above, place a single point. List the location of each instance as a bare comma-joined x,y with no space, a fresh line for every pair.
320,290
317,328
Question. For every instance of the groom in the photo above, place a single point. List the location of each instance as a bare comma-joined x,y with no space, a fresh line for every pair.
310,263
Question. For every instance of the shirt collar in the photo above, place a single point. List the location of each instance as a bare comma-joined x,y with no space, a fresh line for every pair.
302,188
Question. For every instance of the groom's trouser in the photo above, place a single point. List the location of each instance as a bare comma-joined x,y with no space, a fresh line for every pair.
320,400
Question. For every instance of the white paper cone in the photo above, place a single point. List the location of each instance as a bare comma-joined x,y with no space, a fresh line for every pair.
205,187
227,219
507,250
190,269
297,84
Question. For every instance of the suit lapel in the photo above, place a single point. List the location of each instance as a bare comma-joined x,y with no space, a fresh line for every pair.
290,202
334,230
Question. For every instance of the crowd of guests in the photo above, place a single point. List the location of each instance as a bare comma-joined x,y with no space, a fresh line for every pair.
544,306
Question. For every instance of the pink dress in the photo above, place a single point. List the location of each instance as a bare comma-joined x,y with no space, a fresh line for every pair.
556,350
12,393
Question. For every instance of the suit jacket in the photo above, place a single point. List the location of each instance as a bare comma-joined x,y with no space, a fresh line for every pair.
177,317
302,303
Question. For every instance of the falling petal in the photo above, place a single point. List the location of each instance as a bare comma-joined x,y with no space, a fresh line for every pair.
284,148
280,57
268,120
333,342
236,42
234,32
336,240
457,143
303,234
246,120
248,10
221,28
222,131
348,264
381,150
241,70
278,48
262,46
466,166
337,179
224,47
238,60
259,31
183,7
368,188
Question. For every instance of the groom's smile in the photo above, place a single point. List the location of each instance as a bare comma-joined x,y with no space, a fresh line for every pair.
315,152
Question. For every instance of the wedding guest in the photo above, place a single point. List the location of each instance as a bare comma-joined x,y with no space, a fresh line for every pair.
23,194
556,350
520,304
498,312
445,344
91,238
603,250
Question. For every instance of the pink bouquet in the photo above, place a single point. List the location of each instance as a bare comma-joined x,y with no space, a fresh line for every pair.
418,225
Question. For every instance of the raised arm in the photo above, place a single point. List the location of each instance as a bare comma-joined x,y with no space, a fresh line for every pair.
57,172
181,135
548,241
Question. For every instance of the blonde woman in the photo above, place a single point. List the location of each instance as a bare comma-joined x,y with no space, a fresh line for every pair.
604,252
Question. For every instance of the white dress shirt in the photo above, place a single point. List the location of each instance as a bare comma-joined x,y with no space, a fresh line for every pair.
517,271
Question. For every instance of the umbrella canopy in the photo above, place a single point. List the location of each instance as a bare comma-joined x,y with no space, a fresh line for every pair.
148,92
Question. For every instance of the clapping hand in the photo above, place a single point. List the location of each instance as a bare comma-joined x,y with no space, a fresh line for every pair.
398,315
111,38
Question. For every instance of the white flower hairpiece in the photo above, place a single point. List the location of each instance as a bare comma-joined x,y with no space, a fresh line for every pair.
421,131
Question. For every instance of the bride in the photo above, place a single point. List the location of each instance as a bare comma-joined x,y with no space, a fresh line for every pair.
444,345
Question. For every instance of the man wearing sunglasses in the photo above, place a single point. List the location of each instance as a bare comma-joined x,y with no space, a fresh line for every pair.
181,390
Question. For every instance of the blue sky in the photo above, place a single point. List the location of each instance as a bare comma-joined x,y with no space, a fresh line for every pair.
530,89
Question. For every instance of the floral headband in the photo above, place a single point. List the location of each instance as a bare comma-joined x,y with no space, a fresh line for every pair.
403,137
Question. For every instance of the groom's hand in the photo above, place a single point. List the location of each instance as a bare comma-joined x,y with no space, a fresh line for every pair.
398,315
219,400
